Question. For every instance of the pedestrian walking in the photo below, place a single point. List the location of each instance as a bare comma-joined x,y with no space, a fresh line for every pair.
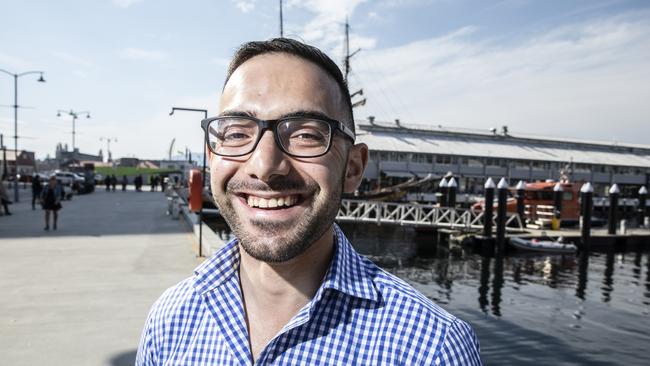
51,201
4,197
138,182
113,181
37,188
151,183
125,181
107,182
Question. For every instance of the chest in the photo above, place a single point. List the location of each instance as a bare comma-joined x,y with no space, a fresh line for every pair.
329,338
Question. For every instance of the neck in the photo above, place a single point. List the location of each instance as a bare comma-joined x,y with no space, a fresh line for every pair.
292,283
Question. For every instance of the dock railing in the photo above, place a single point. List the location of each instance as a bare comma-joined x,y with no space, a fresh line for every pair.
421,215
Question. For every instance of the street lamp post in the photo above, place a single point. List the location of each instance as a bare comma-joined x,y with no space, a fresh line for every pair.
74,115
15,106
108,146
205,115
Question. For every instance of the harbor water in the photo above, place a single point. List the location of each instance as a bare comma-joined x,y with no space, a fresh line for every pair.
527,308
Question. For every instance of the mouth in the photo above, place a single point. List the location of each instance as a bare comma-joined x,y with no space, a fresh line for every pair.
271,201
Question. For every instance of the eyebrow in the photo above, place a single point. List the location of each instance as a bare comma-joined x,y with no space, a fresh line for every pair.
302,113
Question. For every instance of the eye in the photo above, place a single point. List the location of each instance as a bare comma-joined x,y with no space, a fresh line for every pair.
234,135
311,135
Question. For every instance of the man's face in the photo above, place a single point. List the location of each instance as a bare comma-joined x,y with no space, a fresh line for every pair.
306,192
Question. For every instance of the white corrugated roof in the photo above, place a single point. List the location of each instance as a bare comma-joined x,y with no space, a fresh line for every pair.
511,147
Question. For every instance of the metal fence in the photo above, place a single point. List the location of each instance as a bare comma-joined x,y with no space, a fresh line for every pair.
414,214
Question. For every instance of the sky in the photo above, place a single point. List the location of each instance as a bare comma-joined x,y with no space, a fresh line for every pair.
577,69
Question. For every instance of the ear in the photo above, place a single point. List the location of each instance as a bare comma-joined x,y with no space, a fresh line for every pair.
207,151
357,161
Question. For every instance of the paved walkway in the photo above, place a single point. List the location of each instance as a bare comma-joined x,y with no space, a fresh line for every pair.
80,295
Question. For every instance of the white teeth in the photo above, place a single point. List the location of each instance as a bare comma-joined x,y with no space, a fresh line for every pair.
271,202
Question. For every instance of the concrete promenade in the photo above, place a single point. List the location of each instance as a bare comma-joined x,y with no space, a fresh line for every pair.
80,295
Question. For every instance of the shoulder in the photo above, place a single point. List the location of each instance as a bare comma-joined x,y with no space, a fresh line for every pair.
429,332
398,295
174,301
173,310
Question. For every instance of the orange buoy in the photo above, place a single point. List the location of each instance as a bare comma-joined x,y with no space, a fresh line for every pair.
196,190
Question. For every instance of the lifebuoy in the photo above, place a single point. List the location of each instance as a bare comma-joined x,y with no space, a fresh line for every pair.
196,190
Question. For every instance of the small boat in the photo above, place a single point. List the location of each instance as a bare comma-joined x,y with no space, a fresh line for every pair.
543,245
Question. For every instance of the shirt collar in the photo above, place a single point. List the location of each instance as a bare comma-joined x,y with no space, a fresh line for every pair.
348,273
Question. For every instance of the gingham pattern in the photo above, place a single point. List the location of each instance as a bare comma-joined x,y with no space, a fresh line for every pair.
360,315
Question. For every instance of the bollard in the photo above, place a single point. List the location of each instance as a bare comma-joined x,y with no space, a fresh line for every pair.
521,206
613,209
175,207
488,209
586,206
643,197
502,189
452,188
442,187
557,206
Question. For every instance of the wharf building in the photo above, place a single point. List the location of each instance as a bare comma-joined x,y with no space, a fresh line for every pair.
401,151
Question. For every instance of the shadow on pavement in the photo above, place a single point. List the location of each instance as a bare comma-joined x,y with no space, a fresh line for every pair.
123,359
96,214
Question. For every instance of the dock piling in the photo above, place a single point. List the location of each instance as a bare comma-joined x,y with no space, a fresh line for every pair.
521,207
489,207
614,192
452,188
586,206
641,210
442,187
502,189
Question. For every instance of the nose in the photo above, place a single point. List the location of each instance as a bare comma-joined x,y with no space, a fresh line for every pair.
267,161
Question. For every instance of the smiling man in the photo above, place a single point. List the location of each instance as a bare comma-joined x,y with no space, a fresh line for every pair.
291,289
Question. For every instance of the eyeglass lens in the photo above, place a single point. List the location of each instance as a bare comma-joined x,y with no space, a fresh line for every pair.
232,136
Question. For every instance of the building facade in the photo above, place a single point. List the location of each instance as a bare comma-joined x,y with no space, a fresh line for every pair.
22,163
399,151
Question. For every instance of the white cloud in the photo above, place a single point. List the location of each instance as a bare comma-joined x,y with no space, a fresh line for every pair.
131,53
576,80
245,6
74,59
125,3
14,62
326,29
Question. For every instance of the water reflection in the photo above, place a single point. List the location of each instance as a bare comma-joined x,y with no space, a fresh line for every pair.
497,284
484,287
583,265
574,305
608,281
646,294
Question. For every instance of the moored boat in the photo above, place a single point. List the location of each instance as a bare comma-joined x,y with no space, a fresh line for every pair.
542,245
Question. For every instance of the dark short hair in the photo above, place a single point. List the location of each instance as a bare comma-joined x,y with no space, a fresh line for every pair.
296,48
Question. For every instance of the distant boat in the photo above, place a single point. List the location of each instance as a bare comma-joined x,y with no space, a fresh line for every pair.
542,245
392,193
539,197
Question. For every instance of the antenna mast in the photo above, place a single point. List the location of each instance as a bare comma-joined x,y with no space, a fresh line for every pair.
346,65
281,26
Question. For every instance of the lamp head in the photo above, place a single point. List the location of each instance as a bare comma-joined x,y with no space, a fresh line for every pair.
40,79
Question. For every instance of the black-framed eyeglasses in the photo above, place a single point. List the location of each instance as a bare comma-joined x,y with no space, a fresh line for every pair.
301,137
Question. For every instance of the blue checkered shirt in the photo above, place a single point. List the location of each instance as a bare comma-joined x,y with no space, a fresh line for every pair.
360,315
